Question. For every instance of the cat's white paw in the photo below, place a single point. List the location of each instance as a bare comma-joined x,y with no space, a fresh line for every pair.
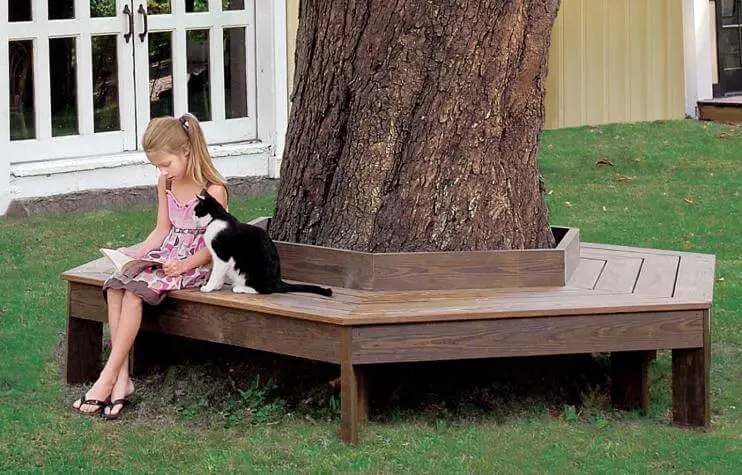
243,289
209,288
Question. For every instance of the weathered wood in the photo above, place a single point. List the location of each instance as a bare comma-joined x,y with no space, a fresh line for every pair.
313,340
526,337
462,270
657,276
432,270
360,327
657,272
353,399
510,306
88,302
84,347
619,275
587,273
321,265
719,112
630,379
691,389
695,277
570,244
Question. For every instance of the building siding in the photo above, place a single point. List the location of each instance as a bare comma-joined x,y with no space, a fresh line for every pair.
609,61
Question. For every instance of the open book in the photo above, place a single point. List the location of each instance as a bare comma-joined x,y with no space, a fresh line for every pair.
128,265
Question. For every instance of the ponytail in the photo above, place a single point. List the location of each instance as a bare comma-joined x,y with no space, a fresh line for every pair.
200,167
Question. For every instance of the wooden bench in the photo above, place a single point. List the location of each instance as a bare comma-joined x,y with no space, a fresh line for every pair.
626,301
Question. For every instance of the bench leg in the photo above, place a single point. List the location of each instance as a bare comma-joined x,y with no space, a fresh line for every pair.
690,387
84,347
353,401
630,380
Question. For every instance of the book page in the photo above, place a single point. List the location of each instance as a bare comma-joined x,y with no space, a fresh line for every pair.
127,264
117,258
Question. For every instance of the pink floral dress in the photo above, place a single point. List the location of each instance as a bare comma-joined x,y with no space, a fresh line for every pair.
184,239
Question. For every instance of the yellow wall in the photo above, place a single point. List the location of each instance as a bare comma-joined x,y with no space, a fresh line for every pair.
292,23
615,61
610,61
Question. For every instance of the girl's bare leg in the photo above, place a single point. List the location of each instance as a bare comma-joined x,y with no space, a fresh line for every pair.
115,374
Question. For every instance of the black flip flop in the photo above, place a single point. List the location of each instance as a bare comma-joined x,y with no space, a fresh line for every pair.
100,405
124,402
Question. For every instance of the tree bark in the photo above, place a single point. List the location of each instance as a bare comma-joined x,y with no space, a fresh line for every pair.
415,126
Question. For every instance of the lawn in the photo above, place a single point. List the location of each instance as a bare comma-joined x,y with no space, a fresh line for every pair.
671,185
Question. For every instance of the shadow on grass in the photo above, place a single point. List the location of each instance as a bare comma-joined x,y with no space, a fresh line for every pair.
205,384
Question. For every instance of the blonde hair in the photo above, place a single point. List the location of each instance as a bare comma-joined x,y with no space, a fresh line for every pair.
180,136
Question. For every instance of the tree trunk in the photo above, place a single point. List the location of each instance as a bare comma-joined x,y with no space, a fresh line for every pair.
415,126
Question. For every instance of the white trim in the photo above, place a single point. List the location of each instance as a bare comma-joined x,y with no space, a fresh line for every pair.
70,165
128,169
270,23
697,53
280,60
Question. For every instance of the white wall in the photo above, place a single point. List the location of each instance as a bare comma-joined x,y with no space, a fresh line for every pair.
697,48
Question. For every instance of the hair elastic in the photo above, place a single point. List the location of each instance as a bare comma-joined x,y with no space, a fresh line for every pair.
184,123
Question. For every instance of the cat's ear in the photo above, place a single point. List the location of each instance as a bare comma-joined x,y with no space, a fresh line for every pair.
200,197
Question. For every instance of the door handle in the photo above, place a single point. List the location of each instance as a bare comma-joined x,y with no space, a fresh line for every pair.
143,11
128,12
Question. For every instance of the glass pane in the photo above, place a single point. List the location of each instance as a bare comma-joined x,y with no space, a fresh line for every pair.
105,84
727,10
157,7
61,9
233,5
729,48
22,124
160,74
63,71
197,6
19,10
199,97
235,76
102,8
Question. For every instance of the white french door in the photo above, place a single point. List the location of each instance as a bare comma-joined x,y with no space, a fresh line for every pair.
86,76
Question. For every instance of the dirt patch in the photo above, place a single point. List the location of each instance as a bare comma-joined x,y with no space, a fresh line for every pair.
208,384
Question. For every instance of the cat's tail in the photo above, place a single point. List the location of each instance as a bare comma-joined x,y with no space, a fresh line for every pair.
313,289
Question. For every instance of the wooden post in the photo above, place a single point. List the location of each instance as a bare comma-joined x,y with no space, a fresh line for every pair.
691,391
630,379
353,399
84,347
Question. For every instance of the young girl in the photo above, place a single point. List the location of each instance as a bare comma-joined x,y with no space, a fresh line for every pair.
177,147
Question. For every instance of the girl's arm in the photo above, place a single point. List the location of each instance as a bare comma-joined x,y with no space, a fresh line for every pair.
162,226
202,257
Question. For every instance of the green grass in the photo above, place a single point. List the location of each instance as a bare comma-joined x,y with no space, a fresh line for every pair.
672,185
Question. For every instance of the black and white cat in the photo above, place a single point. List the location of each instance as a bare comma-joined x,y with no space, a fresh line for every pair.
243,253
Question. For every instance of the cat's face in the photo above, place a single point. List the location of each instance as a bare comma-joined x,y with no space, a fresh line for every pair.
206,209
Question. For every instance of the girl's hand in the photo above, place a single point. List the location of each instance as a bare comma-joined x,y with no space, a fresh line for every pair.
175,268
